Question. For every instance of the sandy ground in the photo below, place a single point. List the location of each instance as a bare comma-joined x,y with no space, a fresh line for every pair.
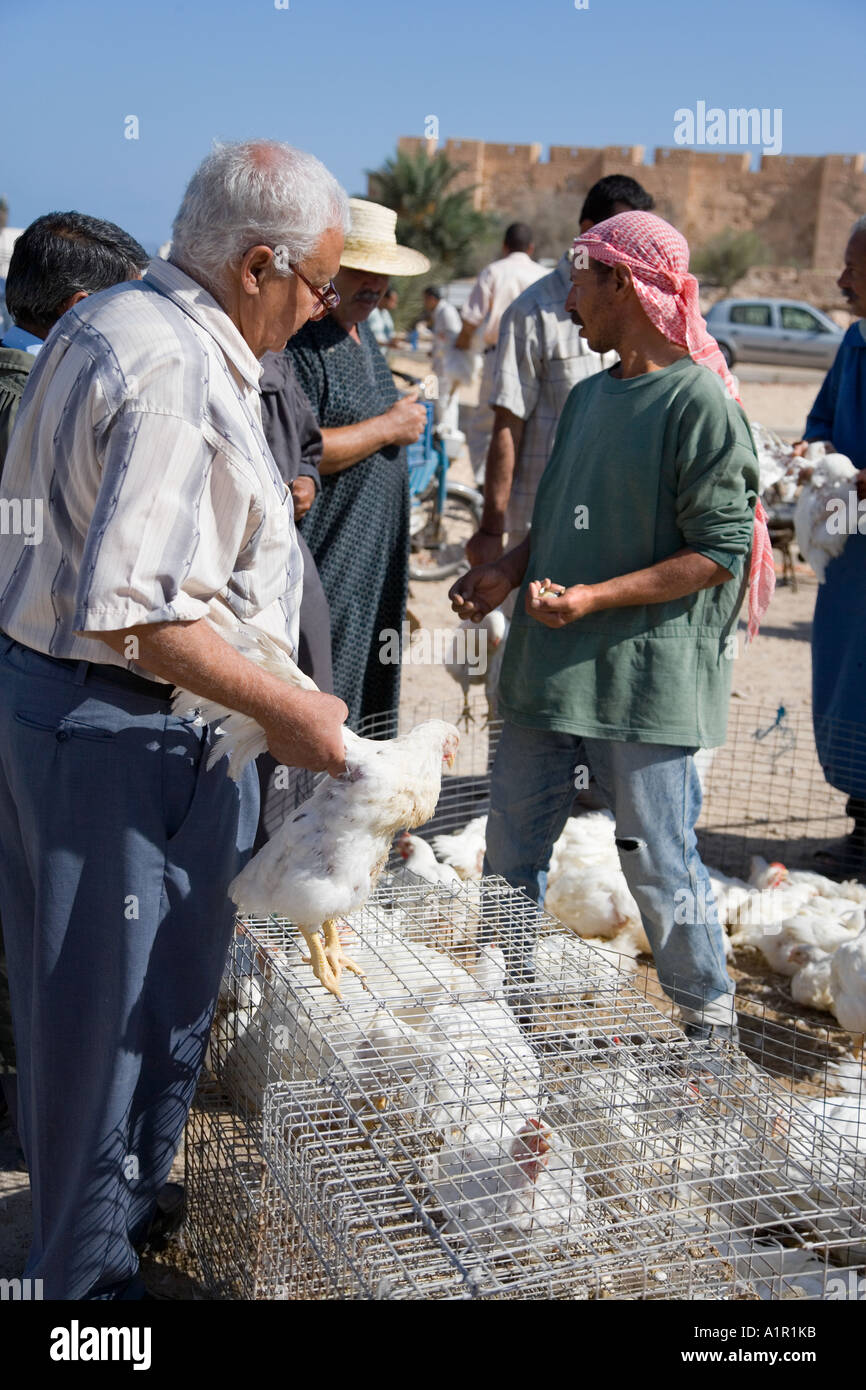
775,669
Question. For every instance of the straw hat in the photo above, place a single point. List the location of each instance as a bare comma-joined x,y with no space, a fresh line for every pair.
372,243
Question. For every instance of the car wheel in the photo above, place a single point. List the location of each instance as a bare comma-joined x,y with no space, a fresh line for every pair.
727,354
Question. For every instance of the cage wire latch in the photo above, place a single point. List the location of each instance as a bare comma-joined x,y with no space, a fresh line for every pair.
788,739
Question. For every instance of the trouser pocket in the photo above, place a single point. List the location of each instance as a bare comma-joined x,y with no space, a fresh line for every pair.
62,726
183,768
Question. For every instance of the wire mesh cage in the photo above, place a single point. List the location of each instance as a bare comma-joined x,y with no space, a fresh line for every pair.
498,1111
764,792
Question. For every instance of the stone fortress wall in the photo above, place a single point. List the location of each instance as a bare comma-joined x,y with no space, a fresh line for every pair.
801,206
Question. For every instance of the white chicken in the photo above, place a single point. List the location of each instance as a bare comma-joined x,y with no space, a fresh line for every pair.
324,860
298,1030
729,895
821,514
812,984
845,1114
465,850
812,926
491,634
775,457
773,896
560,958
797,919
818,886
848,982
535,1186
586,888
824,1140
419,860
431,1045
451,906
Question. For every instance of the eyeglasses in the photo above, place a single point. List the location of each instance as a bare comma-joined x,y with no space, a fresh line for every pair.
328,297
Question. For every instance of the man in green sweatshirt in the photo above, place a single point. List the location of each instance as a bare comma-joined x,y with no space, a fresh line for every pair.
631,581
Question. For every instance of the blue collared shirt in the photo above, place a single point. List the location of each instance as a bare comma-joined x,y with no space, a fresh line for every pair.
839,412
23,341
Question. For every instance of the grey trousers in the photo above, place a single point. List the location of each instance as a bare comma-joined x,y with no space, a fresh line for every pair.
118,848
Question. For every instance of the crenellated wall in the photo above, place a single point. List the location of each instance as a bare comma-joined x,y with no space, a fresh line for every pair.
800,205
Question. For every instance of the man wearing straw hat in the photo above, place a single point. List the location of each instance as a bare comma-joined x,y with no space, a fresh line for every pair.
358,527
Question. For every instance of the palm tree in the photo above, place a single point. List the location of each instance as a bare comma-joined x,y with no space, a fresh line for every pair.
442,224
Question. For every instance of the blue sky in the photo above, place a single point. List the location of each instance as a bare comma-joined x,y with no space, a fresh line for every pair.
344,78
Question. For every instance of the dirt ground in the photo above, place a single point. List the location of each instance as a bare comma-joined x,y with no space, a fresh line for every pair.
775,669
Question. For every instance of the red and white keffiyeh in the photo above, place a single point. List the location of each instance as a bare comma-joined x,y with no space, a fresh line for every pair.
658,258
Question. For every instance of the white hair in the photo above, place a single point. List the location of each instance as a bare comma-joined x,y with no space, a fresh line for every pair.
258,191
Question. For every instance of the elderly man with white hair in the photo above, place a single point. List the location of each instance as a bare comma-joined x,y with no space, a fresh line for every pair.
141,433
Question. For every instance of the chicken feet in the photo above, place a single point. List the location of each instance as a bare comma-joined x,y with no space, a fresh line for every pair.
327,957
466,715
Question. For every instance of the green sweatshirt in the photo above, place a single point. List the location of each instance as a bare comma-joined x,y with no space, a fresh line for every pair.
640,468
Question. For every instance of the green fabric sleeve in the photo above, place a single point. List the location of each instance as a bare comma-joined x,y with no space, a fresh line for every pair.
733,563
715,499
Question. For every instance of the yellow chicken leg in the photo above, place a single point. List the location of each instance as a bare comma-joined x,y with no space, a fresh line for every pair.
466,715
334,952
326,957
322,968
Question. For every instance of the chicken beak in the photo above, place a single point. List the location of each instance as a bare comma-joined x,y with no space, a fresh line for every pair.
448,759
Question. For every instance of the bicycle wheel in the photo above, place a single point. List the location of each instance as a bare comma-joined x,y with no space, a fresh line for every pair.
439,543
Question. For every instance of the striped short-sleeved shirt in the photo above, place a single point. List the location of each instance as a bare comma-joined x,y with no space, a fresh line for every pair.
540,358
139,486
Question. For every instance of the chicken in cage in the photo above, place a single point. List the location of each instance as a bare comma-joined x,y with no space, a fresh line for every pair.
546,1132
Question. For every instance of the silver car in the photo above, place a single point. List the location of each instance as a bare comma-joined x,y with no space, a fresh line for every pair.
783,331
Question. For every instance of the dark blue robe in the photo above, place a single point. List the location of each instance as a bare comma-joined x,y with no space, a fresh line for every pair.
839,625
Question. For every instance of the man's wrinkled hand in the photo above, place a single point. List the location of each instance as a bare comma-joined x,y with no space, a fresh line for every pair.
303,492
317,742
407,420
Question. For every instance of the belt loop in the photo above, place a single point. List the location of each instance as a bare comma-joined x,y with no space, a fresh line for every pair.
82,671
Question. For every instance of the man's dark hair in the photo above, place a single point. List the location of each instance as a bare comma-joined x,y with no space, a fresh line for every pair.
61,254
434,290
601,200
518,237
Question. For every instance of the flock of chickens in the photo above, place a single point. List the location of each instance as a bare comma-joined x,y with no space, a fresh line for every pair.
469,1071
806,926
819,501
432,1049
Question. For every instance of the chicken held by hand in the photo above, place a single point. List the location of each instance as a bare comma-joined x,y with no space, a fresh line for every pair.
324,860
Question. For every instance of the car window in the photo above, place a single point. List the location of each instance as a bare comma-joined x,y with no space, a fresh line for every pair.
756,315
800,320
